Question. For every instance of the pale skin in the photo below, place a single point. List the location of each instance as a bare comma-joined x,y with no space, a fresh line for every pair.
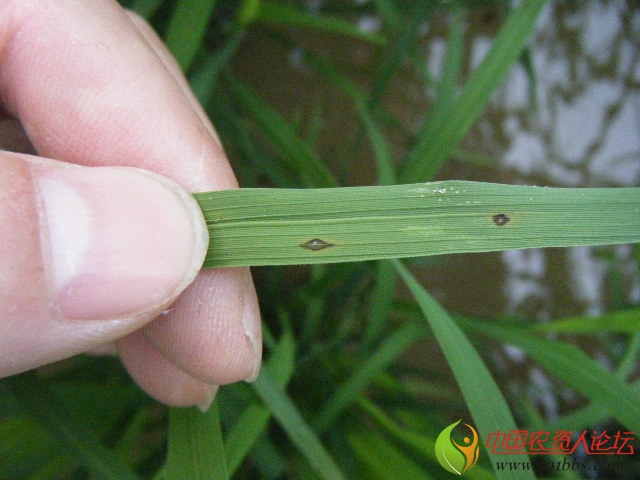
107,259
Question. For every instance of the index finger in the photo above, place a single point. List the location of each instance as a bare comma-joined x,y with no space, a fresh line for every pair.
93,86
88,90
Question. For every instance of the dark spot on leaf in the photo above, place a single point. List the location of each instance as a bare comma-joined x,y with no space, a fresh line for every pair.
500,219
316,244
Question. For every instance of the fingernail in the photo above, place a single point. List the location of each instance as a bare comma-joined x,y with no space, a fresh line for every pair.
210,396
119,241
251,324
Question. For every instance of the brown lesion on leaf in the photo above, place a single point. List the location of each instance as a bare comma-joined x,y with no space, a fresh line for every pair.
316,244
500,219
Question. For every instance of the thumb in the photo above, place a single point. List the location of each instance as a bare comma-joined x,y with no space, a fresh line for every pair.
87,255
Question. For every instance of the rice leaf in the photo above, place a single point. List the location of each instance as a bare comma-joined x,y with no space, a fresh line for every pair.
483,397
383,459
299,432
249,426
146,8
255,418
252,160
204,78
575,368
416,441
393,57
187,29
293,151
625,321
381,305
375,364
292,226
445,132
452,66
381,148
285,15
594,413
26,449
447,86
196,450
41,403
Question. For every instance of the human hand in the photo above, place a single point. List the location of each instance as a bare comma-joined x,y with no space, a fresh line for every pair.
94,252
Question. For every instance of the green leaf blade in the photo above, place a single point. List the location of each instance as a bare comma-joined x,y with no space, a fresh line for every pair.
306,226
196,450
42,404
293,151
299,432
576,369
376,362
187,29
285,15
483,397
444,132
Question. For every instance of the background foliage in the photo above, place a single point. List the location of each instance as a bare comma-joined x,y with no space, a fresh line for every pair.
363,368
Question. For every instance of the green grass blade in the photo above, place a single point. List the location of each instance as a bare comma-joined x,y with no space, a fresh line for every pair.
204,79
187,29
385,273
446,87
594,413
534,419
135,430
26,449
254,419
396,54
381,148
146,8
422,444
375,363
196,450
299,432
292,149
483,397
42,404
48,471
291,226
381,305
450,127
626,321
252,159
629,360
576,369
452,67
251,424
285,15
385,461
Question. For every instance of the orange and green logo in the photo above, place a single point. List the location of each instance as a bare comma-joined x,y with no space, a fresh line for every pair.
454,457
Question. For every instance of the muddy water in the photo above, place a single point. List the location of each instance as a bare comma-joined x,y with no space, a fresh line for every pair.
577,124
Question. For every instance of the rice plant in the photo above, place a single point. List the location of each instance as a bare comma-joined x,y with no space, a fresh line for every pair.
364,366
